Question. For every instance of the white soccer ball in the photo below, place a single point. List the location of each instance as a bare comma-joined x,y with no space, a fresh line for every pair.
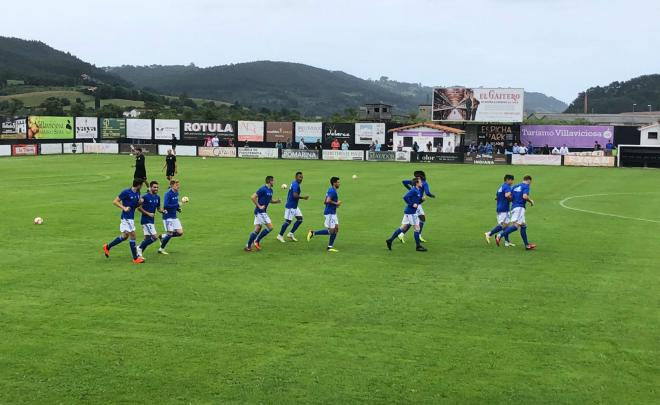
185,200
204,158
38,221
284,186
354,176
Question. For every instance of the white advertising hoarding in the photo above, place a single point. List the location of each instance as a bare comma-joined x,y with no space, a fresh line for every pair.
181,150
544,160
164,129
309,131
208,151
109,148
368,132
137,128
87,127
51,149
343,155
258,153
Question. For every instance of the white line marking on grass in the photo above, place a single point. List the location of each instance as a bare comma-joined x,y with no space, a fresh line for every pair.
562,203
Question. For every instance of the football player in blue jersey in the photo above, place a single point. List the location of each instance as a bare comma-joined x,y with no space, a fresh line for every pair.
150,205
420,211
127,201
332,202
291,209
503,199
520,197
171,222
261,199
413,198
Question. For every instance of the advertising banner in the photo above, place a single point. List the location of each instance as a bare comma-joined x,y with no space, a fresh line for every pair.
147,149
340,132
164,129
601,161
343,155
204,129
138,128
72,148
103,148
485,158
574,136
309,131
181,150
257,153
478,104
24,150
51,149
366,133
5,150
252,131
279,132
435,157
544,160
403,156
300,154
14,129
208,151
113,128
388,156
87,127
502,137
40,127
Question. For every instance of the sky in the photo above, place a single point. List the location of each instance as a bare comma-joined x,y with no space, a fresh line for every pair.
557,47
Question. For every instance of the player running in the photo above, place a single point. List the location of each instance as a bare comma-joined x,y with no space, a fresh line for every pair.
503,198
291,209
420,211
520,195
127,201
170,221
140,169
413,198
150,204
331,220
261,199
171,168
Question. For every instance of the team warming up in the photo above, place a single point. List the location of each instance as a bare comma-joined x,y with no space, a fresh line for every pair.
511,201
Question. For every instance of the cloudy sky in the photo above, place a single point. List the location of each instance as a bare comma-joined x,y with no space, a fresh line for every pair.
559,47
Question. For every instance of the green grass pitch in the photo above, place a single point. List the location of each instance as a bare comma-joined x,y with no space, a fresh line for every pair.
576,321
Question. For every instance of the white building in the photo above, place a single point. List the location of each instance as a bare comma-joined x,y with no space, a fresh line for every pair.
134,113
448,138
649,135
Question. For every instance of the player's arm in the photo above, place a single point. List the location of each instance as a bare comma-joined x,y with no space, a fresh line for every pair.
407,184
410,201
427,191
330,201
117,203
255,200
528,199
507,195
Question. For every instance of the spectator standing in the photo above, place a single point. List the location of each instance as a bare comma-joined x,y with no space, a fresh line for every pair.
301,144
335,144
608,148
215,141
597,146
546,149
173,143
563,150
399,146
555,151
344,146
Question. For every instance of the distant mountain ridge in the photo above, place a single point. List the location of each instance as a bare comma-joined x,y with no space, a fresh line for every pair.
275,85
39,64
618,97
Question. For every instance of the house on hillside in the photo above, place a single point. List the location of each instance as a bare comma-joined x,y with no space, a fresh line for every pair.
375,112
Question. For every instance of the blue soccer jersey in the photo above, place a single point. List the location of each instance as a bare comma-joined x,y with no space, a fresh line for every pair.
291,201
503,203
425,187
412,197
264,196
131,199
331,209
517,194
150,203
170,204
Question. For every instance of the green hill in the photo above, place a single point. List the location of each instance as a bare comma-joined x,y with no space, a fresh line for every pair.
276,85
38,64
618,97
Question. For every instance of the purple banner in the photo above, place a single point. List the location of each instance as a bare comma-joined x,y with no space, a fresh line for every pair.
573,136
